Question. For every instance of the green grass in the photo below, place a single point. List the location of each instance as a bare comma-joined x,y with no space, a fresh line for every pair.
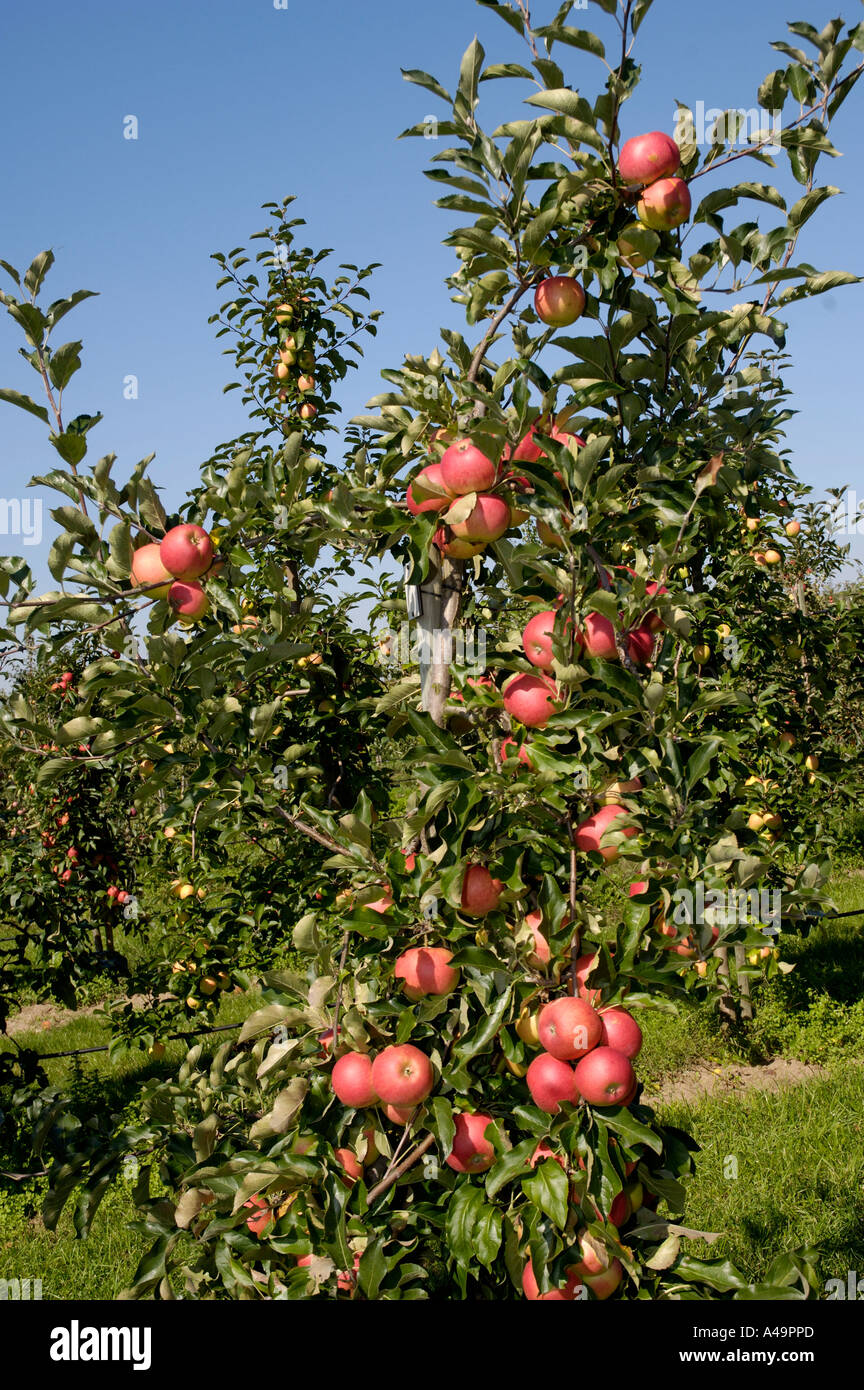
800,1173
99,1267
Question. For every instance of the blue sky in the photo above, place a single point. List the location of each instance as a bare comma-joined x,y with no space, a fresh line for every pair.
239,103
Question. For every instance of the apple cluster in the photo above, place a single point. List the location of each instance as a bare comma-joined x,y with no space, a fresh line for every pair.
292,364
171,569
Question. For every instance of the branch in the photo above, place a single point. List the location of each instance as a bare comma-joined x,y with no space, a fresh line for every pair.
392,1177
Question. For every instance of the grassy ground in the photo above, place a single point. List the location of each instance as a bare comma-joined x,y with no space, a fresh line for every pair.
779,1172
798,1154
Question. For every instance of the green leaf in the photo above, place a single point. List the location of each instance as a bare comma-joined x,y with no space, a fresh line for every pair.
24,402
469,72
568,103
64,363
575,38
538,229
806,206
549,1190
37,271
423,79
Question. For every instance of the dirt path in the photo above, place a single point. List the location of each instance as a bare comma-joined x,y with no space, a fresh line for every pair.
692,1085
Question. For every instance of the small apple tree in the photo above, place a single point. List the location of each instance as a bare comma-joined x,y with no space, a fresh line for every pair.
403,1116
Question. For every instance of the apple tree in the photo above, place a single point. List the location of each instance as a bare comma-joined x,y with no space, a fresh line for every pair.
440,1094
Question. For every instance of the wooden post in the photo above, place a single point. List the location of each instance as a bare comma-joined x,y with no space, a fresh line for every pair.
743,984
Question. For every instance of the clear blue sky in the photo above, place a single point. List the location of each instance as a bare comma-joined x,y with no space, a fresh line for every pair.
241,103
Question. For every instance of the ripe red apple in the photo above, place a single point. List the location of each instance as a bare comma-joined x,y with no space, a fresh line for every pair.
402,1075
569,1028
605,1076
544,1151
595,1257
646,158
263,1218
148,569
640,645
488,520
399,1114
531,1288
537,638
541,955
531,699
597,638
602,1285
186,552
455,549
666,204
426,491
471,1152
351,1164
621,1031
559,300
511,749
188,601
465,468
551,1081
307,411
426,970
583,965
352,1081
589,835
480,891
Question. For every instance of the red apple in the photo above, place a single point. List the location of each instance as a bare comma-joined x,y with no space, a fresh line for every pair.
188,601
426,970
307,411
399,1114
640,645
551,1081
537,638
605,1076
544,1151
511,749
452,547
589,835
531,1288
488,520
646,158
148,570
569,1028
583,965
465,468
541,955
560,300
352,1082
602,1285
351,1164
264,1216
621,1031
186,552
471,1152
595,1257
480,891
402,1075
426,491
531,699
597,638
666,204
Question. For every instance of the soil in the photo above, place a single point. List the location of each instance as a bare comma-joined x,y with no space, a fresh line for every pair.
691,1085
